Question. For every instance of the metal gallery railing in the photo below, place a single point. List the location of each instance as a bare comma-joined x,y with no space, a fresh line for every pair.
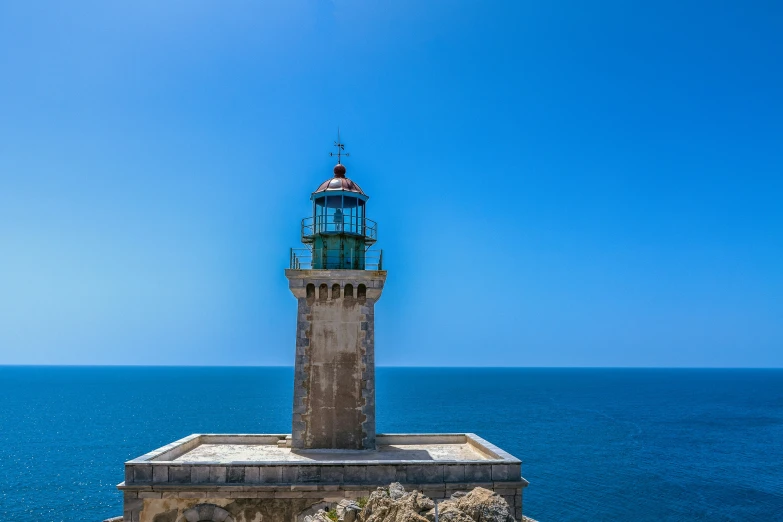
327,259
339,225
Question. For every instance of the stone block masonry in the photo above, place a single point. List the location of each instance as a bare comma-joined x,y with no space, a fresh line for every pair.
334,371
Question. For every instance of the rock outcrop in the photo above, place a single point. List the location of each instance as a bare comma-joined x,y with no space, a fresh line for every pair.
394,504
480,505
347,510
402,507
319,516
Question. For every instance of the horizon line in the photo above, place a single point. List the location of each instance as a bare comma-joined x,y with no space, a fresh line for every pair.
28,365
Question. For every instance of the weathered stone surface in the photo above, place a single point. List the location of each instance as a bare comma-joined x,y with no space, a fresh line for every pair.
396,490
382,508
419,451
480,505
347,510
394,504
334,385
449,513
181,509
320,516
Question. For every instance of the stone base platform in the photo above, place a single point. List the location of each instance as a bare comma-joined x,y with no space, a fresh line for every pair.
249,478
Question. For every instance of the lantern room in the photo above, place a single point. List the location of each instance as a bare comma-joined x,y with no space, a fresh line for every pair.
338,235
338,205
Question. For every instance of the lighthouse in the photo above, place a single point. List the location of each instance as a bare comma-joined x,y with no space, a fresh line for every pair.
336,279
333,454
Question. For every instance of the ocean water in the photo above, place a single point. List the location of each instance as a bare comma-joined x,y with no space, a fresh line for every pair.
597,444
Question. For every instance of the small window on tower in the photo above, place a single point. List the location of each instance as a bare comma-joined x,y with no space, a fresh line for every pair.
362,292
348,290
311,291
323,292
335,291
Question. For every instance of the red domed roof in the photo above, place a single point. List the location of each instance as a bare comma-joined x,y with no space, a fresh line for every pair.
339,182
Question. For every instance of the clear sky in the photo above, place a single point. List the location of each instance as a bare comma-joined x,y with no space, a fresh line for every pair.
556,183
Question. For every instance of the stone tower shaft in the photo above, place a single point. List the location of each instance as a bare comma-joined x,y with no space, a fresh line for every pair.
334,375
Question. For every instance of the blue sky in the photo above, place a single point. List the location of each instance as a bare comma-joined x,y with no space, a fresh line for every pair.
556,183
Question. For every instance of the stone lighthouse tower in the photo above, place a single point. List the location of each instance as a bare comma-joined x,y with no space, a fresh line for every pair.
333,453
336,280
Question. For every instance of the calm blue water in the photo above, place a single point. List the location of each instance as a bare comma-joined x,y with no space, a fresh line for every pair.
614,444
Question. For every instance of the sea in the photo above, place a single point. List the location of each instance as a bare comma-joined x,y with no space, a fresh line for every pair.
596,444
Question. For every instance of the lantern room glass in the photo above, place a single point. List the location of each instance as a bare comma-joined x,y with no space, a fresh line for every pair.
338,214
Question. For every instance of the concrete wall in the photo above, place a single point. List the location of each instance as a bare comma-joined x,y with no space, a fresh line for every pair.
334,379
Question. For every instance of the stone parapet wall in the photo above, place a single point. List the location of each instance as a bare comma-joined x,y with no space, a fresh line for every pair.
365,473
325,491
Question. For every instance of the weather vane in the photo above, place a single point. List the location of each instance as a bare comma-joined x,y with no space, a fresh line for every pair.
340,148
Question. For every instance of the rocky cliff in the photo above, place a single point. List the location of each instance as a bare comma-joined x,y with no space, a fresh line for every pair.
394,504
